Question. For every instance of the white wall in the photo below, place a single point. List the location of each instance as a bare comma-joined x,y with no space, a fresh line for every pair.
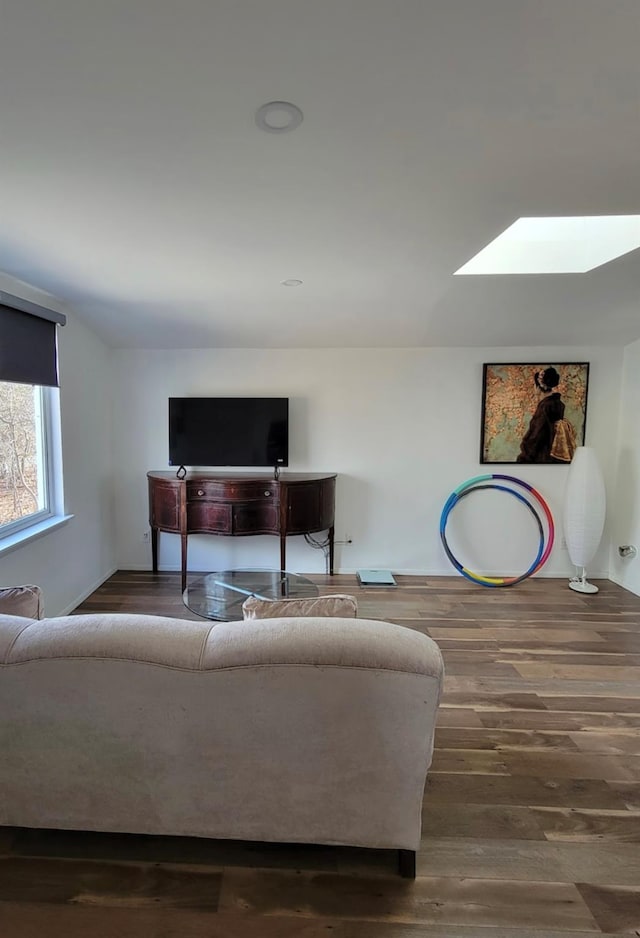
625,524
401,427
71,561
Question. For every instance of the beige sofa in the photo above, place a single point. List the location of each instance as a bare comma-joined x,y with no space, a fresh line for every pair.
311,730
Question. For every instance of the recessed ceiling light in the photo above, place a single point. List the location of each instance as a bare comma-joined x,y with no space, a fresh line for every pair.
291,283
557,245
278,117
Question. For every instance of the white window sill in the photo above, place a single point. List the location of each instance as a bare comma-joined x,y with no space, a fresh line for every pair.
20,538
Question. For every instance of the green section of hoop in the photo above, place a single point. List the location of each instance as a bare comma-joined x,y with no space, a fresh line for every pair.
469,482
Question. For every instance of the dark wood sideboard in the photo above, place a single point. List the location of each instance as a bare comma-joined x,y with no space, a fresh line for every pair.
237,505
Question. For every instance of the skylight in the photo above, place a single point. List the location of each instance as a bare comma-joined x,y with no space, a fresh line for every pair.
556,245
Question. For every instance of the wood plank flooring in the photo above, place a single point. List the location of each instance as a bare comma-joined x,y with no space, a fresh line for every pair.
531,823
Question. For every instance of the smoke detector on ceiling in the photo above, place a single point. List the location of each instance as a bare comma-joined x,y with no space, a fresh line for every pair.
278,117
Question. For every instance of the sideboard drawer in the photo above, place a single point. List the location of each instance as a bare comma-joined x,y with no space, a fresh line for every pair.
208,517
202,490
234,491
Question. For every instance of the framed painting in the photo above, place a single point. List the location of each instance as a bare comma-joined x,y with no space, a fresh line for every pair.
533,412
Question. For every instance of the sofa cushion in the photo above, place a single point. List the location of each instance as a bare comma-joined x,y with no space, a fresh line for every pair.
178,643
340,604
21,601
322,642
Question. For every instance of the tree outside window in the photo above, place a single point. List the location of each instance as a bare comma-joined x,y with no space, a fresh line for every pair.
23,476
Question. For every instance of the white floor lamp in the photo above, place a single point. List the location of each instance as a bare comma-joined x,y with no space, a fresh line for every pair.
584,511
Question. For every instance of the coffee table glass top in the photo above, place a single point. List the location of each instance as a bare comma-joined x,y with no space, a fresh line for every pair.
221,595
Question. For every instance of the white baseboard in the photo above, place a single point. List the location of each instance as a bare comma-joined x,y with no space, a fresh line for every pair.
443,572
450,572
86,593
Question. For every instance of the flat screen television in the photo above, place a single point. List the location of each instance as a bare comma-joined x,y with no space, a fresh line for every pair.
229,431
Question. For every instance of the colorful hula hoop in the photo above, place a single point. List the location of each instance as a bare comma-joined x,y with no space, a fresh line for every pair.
486,482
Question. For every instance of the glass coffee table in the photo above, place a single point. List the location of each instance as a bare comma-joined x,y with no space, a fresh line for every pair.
221,595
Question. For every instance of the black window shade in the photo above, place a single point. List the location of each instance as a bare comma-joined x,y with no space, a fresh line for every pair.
28,347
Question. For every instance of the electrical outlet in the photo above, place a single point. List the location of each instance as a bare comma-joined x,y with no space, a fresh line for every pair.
146,537
563,542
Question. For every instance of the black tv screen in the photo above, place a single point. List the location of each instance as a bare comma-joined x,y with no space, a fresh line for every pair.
228,431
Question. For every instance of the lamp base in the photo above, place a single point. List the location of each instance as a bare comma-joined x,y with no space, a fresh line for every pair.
581,585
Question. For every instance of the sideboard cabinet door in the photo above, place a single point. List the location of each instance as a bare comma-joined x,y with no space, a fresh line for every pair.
164,506
310,506
208,518
255,518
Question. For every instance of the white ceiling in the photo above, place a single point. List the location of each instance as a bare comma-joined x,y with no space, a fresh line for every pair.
135,185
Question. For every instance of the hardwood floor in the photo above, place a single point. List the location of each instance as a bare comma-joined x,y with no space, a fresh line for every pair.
531,812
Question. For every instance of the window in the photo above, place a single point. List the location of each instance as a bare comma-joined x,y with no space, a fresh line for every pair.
27,490
31,493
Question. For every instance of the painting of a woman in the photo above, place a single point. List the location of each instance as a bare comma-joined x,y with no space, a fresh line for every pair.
533,413
537,442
